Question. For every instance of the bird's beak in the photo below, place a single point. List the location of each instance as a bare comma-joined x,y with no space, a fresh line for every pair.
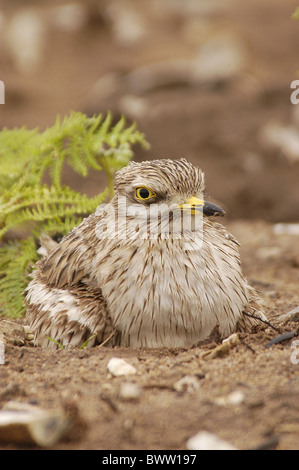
194,204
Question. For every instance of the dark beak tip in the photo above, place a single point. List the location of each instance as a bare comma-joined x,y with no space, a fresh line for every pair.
212,210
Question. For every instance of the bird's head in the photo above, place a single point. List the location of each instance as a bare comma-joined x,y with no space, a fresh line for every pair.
176,184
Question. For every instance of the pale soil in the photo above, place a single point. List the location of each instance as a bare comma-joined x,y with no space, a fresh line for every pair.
163,418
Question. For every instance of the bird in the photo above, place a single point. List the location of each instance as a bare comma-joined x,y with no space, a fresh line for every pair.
151,268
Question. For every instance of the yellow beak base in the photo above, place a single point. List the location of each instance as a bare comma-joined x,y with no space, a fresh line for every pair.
194,205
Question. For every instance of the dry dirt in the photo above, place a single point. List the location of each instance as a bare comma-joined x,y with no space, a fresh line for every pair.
162,417
218,128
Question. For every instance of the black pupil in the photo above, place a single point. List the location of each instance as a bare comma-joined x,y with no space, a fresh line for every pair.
144,193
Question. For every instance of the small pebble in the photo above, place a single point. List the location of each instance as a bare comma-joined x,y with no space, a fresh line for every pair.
130,391
232,339
286,229
207,441
32,426
117,367
25,36
188,384
223,348
234,398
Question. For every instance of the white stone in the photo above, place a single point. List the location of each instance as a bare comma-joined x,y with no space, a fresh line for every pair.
232,340
130,391
128,26
220,58
25,38
29,426
207,441
188,383
286,138
234,398
117,367
134,106
286,229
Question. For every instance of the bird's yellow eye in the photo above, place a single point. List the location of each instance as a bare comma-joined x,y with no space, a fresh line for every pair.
144,193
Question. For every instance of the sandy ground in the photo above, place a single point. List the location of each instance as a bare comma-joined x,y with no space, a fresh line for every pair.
163,416
219,126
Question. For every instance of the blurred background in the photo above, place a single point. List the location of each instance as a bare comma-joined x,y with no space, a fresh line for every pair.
208,80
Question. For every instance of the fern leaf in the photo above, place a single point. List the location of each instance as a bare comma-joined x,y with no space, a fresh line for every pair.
16,260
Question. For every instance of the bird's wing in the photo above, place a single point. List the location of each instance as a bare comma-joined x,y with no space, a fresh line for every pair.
62,304
68,263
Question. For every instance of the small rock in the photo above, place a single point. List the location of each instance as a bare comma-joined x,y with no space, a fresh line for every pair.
25,39
32,426
130,391
222,349
232,340
219,59
14,333
207,441
283,137
189,384
117,367
128,26
134,107
286,229
234,398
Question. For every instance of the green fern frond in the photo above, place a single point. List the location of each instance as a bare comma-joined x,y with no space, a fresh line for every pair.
26,156
40,204
16,260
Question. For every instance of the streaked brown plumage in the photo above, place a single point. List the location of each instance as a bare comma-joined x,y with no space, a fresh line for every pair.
121,281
